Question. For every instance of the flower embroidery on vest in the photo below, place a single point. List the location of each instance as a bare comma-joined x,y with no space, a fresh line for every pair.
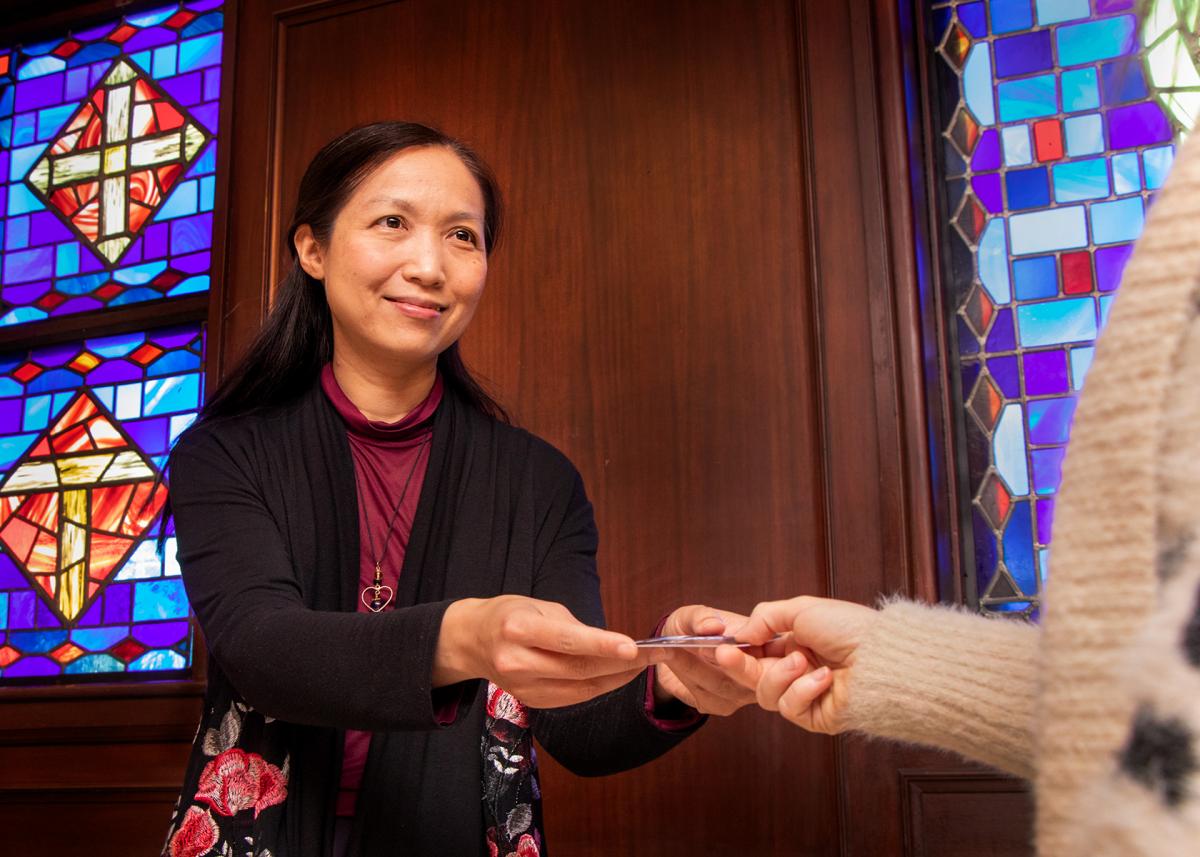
237,780
197,834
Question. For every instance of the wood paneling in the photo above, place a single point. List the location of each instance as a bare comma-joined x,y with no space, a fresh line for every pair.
965,813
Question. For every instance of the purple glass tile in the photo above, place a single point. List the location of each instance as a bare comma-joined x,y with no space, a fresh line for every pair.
150,435
196,263
987,152
207,115
969,372
187,89
114,371
25,295
205,5
985,549
967,343
155,240
1138,125
212,84
1045,520
83,304
56,355
1003,337
1110,263
117,603
974,18
1103,6
89,263
159,635
10,575
45,616
45,228
92,617
1046,372
22,607
94,33
987,188
174,337
1023,54
39,92
3,164
150,38
134,254
1004,371
27,667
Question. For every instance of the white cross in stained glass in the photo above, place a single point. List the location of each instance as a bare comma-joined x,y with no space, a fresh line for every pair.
117,159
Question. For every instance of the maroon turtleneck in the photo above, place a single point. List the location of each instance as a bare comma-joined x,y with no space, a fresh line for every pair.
384,455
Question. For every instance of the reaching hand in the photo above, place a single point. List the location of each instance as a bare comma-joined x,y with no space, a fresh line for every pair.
805,675
694,676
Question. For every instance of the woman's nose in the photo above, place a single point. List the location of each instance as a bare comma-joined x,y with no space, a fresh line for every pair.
422,261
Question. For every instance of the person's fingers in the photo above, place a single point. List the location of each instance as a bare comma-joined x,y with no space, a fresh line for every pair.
554,632
740,665
768,619
518,663
705,679
777,678
672,685
796,703
555,693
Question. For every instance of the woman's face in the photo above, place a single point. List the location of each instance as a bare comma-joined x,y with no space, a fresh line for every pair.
405,265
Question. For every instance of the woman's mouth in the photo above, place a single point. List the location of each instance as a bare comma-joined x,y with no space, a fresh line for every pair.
417,308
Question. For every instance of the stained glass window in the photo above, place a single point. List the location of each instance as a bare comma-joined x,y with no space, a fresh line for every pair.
84,431
1058,121
108,159
107,162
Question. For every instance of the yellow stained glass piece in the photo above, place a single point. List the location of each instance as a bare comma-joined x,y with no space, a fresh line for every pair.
83,469
31,476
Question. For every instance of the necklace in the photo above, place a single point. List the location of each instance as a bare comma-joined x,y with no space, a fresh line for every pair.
378,599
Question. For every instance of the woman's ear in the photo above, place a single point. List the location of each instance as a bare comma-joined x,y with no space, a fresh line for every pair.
308,251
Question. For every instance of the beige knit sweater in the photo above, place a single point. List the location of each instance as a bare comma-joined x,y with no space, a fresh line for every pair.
1100,706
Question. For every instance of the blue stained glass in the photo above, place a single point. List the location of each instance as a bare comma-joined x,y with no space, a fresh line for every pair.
41,48
90,664
21,200
1045,521
143,59
988,188
1027,188
199,52
1057,11
24,129
993,262
212,84
39,92
19,316
1080,89
99,639
76,84
1045,372
1004,373
134,296
13,446
10,415
1008,446
205,24
1085,135
1056,322
159,599
194,263
93,616
129,401
29,265
54,379
1123,81
987,151
174,361
1090,41
159,659
116,346
39,66
31,666
66,259
1118,220
18,234
81,285
977,84
37,412
45,228
56,355
170,395
1053,229
1080,180
1081,361
159,634
206,115
208,193
1126,176
1050,420
1036,277
1018,548
1047,468
985,547
204,5
186,89
92,53
37,642
191,234
1157,163
1002,336
3,610
1027,98
151,435
182,201
22,609
1138,125
164,61
10,577
190,286
1017,149
139,274
22,160
1011,15
206,163
152,18
1105,306
51,119
118,603
1023,54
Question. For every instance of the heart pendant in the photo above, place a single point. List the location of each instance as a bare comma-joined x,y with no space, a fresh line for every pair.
378,599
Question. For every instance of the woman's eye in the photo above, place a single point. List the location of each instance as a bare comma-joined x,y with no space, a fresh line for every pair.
465,235
392,222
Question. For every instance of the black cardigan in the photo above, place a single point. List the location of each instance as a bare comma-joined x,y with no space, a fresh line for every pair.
266,515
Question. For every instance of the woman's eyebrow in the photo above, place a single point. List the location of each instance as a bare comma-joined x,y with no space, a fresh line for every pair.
407,207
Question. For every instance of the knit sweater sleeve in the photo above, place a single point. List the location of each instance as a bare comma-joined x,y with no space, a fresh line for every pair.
949,679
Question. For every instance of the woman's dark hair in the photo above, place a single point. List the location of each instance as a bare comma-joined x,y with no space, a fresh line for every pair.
297,338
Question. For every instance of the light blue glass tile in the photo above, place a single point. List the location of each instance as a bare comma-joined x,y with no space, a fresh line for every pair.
143,563
993,262
1050,419
1047,469
18,234
1008,16
208,190
1057,11
20,315
1008,447
106,395
60,401
14,446
138,275
1105,308
977,84
1158,163
182,202
152,18
3,610
1119,220
77,83
129,401
1036,277
37,413
1126,177
1043,561
1017,149
1096,40
90,664
24,129
158,659
120,345
52,119
190,286
1080,90
171,395
170,558
40,66
164,61
180,424
1027,98
1081,361
21,200
159,599
67,259
1056,322
199,52
1044,231
1079,180
99,639
21,160
1085,135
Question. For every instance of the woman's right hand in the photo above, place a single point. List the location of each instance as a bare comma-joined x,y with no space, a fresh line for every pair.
809,683
536,650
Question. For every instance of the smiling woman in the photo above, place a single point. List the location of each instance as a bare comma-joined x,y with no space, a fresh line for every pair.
397,587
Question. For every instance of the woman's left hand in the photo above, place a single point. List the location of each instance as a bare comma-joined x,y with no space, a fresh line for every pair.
693,676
